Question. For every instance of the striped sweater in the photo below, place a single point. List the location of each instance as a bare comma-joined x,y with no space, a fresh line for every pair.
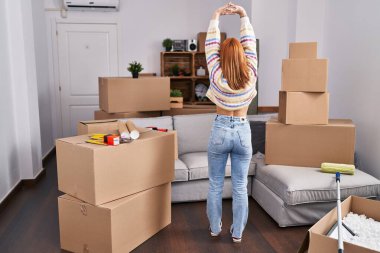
219,91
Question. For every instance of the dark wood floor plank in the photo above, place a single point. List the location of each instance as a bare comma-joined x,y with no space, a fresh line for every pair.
29,224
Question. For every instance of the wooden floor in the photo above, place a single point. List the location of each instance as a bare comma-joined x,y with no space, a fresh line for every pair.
29,224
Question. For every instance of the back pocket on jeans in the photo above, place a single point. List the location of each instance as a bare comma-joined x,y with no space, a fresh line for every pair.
217,135
245,138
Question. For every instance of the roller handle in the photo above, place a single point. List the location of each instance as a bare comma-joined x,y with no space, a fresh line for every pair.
340,251
337,176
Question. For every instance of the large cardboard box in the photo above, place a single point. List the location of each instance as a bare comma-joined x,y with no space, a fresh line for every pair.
110,126
124,94
309,75
310,145
115,227
98,174
102,115
303,50
303,108
316,240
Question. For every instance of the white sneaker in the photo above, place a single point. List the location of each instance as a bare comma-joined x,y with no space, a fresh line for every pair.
234,239
214,234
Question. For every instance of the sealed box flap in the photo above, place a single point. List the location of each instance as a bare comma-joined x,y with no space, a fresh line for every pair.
332,122
98,121
366,206
341,122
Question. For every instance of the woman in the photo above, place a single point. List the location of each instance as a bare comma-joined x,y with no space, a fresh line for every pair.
232,67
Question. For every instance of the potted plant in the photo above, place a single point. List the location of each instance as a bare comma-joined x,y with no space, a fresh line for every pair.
167,44
175,70
176,99
135,68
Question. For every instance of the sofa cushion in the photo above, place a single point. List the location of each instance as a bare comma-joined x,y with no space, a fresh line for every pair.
160,122
299,185
193,131
181,171
197,163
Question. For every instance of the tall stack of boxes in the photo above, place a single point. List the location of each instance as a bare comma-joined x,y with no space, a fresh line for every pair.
116,197
303,135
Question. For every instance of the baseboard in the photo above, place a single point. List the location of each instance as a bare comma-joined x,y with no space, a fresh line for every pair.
33,181
47,156
27,182
268,109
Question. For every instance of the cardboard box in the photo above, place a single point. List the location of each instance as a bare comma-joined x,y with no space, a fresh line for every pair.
202,39
187,111
114,227
316,240
124,94
98,174
111,127
102,115
309,75
303,108
310,145
299,50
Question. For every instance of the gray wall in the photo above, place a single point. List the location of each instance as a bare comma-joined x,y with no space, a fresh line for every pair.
9,170
41,56
352,45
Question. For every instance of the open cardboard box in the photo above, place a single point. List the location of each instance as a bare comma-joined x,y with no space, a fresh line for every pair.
317,241
115,227
110,126
98,174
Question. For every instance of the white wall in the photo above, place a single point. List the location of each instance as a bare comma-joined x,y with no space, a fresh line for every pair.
274,22
20,132
352,45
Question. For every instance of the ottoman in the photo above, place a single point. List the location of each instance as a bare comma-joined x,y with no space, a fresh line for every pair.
295,196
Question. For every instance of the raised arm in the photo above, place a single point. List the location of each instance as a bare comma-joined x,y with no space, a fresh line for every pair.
248,39
212,44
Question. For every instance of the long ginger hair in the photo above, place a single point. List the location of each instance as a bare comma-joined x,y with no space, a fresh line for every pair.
234,64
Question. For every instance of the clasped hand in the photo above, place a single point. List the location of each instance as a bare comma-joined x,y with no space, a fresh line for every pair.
229,9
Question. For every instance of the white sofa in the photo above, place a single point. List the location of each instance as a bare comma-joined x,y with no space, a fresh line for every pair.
290,195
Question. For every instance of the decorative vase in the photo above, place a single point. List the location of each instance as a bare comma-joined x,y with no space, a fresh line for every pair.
168,49
176,102
135,75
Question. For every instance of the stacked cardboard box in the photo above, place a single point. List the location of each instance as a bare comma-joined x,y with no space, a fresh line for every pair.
303,135
116,197
124,97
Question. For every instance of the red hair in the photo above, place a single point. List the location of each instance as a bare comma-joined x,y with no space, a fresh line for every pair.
234,64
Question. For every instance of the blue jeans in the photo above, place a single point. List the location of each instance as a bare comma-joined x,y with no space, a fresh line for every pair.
229,135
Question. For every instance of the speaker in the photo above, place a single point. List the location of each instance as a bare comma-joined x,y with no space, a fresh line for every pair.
191,45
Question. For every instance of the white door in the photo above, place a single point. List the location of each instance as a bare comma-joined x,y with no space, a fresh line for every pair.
85,52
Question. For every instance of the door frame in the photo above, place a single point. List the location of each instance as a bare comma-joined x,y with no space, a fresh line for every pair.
55,92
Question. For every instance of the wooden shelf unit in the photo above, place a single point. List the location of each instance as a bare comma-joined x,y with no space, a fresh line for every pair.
189,62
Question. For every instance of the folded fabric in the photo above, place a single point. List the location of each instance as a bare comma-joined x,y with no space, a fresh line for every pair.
336,167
